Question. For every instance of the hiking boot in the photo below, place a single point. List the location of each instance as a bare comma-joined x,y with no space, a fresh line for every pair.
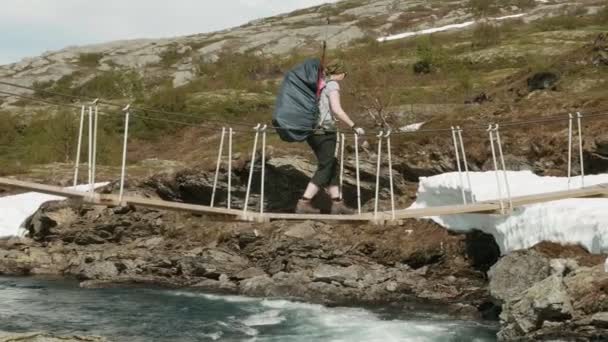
305,207
340,208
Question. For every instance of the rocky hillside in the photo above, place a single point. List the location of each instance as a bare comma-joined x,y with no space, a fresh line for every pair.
350,21
479,73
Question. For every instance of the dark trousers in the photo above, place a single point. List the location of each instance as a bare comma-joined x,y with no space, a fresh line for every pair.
324,147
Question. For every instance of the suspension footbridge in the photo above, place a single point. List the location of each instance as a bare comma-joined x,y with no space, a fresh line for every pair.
503,204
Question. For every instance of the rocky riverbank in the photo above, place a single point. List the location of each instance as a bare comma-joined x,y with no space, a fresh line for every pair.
542,293
44,337
316,262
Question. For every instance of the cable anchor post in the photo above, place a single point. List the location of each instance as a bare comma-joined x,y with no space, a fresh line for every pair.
387,136
94,157
217,166
263,174
127,111
454,138
490,131
357,172
342,145
465,162
229,195
79,145
570,130
380,136
252,165
579,118
504,168
90,150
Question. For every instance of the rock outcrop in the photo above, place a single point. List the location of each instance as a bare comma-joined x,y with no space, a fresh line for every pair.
550,299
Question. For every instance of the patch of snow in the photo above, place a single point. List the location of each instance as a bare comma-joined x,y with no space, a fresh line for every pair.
17,208
427,31
570,221
511,16
412,128
443,28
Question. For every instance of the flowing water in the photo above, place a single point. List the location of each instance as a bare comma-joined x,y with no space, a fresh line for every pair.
135,314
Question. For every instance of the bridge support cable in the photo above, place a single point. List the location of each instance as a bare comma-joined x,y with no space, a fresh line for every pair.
342,145
127,111
251,166
570,124
263,175
229,195
357,173
380,136
579,117
217,166
78,146
390,172
498,186
94,157
504,168
465,162
455,140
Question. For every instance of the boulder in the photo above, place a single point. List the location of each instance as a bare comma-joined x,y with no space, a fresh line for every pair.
571,303
212,263
98,270
302,230
330,273
517,272
249,273
542,81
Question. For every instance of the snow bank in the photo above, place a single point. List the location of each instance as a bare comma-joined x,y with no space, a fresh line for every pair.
569,221
14,210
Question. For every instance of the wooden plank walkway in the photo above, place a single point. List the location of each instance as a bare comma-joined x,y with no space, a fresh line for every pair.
486,207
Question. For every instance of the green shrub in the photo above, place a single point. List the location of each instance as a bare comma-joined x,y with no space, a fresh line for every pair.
168,98
111,85
9,135
237,71
483,8
61,86
90,59
523,4
50,138
563,22
170,56
485,35
430,54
